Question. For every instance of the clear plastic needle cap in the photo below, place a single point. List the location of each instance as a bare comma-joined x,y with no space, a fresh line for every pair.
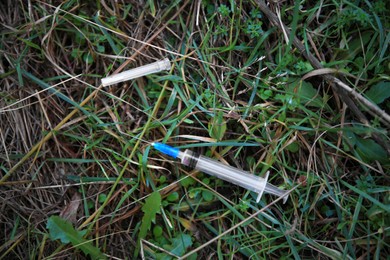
154,67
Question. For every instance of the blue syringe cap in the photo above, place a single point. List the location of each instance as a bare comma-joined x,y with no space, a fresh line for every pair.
166,149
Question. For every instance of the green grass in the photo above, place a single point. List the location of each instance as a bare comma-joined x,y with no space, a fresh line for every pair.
238,91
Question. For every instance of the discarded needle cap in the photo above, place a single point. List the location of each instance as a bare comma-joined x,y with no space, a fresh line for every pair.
154,67
166,149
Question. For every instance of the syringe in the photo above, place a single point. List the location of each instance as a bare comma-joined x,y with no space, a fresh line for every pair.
228,173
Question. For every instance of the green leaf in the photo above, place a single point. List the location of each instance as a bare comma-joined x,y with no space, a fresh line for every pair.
309,95
151,208
31,44
266,94
187,181
379,92
76,53
101,48
305,93
217,126
369,150
102,197
180,244
207,195
293,147
178,247
157,231
152,7
63,230
174,196
88,58
350,137
374,211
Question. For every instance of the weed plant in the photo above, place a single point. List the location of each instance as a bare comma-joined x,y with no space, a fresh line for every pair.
78,177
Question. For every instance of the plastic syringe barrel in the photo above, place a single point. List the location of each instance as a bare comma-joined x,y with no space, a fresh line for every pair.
228,173
137,72
271,189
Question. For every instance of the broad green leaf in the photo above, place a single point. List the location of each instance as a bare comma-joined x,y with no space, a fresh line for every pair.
379,92
151,208
178,247
63,230
180,244
350,137
370,150
308,95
